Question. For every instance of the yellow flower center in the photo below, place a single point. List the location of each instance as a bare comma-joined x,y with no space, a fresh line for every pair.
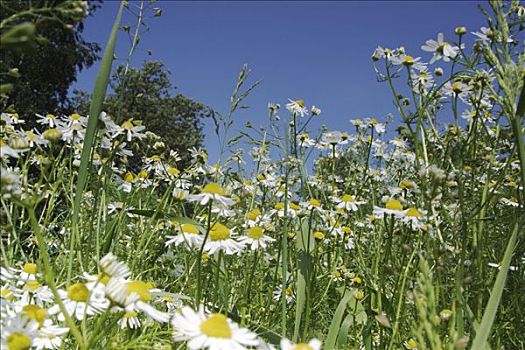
318,235
78,292
408,60
33,285
18,341
128,125
279,206
456,87
254,214
347,198
255,232
219,232
294,206
130,314
140,288
213,188
288,291
173,171
30,268
35,312
189,228
394,204
405,185
302,346
411,344
128,177
216,326
103,278
300,103
314,202
413,212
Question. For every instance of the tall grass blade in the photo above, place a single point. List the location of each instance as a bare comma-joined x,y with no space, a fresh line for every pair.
99,93
489,315
333,331
304,244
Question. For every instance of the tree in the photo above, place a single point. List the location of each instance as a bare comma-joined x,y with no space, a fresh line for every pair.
44,74
147,94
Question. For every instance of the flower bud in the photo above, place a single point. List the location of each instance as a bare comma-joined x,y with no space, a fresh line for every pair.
53,135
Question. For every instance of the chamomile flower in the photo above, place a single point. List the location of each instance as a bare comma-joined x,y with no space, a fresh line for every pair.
392,207
129,319
214,332
50,336
347,202
18,333
313,344
132,129
111,267
220,239
212,192
441,49
288,294
256,238
297,107
414,217
80,301
188,234
410,344
48,119
134,295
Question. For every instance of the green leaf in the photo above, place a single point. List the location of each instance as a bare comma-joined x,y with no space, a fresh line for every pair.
305,244
334,329
489,315
95,108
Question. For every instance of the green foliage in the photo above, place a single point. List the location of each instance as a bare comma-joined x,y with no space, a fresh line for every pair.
42,40
146,94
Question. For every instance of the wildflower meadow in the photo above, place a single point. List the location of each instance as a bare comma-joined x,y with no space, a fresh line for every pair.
404,232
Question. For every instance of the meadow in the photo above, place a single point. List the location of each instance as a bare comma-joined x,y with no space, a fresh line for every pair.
329,239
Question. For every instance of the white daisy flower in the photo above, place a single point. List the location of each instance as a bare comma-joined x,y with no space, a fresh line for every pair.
313,344
212,191
81,301
111,267
214,332
414,217
50,336
18,334
134,295
188,234
297,107
347,202
48,119
392,207
220,239
256,238
441,49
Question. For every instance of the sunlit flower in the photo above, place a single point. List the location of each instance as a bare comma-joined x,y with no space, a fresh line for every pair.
80,301
441,49
220,239
297,107
189,234
213,192
313,344
256,238
214,332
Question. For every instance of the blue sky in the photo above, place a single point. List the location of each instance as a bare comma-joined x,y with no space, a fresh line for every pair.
318,51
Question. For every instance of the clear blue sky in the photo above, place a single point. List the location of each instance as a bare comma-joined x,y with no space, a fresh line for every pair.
318,51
